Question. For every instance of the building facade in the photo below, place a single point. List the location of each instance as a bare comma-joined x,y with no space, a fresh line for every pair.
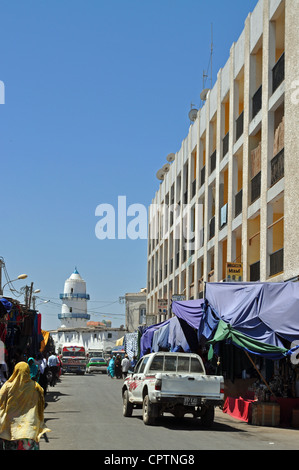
234,180
135,305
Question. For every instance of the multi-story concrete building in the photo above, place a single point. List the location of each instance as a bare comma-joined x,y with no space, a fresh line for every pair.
240,164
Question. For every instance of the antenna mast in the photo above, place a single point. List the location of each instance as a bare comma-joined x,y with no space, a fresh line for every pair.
211,55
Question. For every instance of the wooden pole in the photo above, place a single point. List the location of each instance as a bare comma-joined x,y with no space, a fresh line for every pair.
263,379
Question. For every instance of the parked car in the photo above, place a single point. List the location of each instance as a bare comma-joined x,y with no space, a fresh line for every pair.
97,364
173,383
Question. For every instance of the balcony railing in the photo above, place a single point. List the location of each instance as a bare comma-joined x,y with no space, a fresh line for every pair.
276,262
213,161
277,167
211,228
256,187
257,102
238,203
73,296
278,73
239,126
225,142
255,271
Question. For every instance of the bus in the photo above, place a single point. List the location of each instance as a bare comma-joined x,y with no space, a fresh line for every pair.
74,358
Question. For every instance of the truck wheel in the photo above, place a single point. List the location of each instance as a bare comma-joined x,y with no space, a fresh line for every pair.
127,406
147,414
207,418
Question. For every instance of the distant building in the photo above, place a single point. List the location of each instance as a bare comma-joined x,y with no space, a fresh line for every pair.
93,337
135,310
75,326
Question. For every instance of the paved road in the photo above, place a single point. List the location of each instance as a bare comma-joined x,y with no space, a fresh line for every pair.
85,413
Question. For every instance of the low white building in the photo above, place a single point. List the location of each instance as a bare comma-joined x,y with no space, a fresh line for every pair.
93,337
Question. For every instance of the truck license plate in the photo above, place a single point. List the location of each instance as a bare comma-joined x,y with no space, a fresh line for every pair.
188,401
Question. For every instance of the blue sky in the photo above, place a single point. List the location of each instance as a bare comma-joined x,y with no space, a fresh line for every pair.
97,93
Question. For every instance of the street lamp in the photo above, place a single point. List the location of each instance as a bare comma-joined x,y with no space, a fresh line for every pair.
21,276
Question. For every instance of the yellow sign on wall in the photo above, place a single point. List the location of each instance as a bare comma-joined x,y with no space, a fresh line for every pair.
234,272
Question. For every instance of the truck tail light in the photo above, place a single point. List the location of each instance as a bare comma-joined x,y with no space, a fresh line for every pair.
222,387
158,384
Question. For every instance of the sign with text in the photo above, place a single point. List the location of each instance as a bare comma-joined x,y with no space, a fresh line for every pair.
234,272
162,306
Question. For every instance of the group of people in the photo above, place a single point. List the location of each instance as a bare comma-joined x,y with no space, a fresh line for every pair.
118,368
22,401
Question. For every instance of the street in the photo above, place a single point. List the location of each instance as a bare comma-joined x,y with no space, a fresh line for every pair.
85,413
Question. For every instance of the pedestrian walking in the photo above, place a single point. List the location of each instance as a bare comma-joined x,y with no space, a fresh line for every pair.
3,373
53,365
133,362
21,411
125,365
34,369
118,367
111,368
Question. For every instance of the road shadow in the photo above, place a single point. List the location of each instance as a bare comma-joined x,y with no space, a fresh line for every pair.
54,396
191,424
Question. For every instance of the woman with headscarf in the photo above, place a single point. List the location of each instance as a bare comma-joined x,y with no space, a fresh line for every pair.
111,367
21,411
34,369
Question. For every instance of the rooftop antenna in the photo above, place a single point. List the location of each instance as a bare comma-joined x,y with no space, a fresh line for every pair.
205,73
211,55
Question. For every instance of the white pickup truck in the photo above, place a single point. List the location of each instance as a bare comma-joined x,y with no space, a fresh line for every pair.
173,383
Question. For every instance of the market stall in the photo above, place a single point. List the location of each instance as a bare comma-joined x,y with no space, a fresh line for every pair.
260,323
20,332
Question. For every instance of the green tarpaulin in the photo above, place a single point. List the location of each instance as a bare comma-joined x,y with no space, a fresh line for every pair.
226,332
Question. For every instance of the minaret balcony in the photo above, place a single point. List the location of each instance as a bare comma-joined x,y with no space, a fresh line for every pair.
63,316
74,296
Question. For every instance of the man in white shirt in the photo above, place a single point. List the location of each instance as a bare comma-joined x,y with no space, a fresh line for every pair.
125,365
53,364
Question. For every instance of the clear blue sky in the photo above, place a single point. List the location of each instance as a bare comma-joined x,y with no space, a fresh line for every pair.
97,93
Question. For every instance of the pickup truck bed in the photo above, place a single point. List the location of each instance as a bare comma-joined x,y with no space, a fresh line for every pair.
174,383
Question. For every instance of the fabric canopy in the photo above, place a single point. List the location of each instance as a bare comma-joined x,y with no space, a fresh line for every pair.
177,332
267,313
191,311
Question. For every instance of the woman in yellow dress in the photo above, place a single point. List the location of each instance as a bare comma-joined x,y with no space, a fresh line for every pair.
21,411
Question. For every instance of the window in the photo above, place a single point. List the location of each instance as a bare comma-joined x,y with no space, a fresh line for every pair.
183,364
170,363
141,369
195,365
157,363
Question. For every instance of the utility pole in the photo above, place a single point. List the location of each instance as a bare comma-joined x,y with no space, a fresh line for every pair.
30,294
1,265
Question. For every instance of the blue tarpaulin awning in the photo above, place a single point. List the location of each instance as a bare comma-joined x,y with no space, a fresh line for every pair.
264,311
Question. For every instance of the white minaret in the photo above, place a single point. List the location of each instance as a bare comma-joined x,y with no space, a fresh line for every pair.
74,302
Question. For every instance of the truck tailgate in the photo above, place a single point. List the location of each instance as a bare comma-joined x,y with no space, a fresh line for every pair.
201,385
